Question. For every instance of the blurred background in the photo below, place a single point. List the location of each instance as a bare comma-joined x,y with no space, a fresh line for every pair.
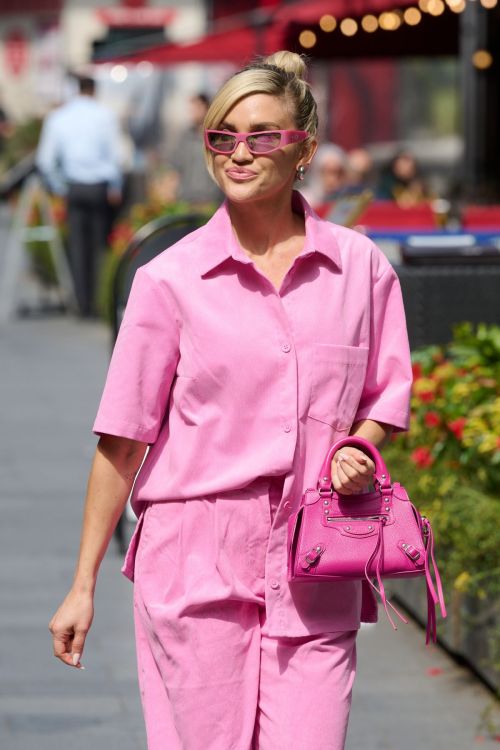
426,74
409,102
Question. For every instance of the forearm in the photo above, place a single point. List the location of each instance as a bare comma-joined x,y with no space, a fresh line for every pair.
113,471
377,433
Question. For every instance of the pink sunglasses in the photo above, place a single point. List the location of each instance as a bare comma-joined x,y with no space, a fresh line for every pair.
261,142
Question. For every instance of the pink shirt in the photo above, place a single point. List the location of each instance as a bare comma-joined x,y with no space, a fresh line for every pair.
228,380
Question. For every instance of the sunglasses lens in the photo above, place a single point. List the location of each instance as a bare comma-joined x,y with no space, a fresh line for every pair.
221,141
264,142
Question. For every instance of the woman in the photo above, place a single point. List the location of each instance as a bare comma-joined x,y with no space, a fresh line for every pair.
245,350
402,182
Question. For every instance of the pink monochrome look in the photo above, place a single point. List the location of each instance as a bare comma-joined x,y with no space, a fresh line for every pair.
240,389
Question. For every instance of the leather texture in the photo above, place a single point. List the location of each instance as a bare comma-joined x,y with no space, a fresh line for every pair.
372,536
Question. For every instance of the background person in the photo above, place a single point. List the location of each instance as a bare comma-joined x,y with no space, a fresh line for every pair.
187,157
401,181
246,349
327,177
360,170
78,157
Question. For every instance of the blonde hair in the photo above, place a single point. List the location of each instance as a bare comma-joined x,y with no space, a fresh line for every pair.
281,74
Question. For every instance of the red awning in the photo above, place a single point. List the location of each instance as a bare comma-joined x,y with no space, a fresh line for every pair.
237,44
240,38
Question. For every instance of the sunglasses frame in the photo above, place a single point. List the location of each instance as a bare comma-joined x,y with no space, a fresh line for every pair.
287,137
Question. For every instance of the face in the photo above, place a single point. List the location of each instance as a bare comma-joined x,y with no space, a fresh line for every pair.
405,167
332,174
244,176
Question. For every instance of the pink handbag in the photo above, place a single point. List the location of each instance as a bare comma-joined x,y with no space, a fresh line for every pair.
377,534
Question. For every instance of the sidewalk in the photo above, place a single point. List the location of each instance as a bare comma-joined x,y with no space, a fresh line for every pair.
51,376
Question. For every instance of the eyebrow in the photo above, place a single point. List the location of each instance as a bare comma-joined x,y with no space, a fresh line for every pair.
254,128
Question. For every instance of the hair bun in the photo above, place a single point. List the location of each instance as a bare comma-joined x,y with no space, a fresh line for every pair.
290,62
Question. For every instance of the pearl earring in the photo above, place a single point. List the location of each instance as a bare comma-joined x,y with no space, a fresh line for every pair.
301,172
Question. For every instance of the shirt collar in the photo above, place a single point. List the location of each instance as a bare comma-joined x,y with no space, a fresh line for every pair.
221,243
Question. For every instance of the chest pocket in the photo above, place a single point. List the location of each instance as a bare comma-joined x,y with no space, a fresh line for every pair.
337,379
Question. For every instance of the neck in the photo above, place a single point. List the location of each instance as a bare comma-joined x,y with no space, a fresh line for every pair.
261,226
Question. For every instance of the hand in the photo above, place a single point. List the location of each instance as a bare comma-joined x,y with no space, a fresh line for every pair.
69,627
352,470
114,196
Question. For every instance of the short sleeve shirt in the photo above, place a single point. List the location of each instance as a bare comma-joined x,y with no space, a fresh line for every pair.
229,379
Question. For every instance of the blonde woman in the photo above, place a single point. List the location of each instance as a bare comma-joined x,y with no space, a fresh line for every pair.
246,349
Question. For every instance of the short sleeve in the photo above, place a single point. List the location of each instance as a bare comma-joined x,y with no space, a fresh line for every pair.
142,365
387,387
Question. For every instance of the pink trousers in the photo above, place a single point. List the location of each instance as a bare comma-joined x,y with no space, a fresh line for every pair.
210,678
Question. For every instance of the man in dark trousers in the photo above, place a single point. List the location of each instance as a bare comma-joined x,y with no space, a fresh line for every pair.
78,156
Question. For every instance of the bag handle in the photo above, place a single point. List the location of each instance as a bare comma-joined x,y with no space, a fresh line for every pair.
382,476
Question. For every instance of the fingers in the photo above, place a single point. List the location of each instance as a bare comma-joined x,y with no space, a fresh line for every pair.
352,471
68,645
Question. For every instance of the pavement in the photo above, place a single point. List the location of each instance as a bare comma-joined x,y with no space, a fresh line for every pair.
52,371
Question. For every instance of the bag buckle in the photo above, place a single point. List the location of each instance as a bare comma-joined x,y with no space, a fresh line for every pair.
312,556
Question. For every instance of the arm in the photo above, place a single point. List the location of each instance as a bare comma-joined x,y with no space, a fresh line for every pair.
384,403
47,158
116,463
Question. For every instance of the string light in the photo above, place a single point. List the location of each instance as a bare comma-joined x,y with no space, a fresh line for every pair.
327,23
307,38
349,26
369,23
482,59
458,6
392,20
412,16
389,21
436,7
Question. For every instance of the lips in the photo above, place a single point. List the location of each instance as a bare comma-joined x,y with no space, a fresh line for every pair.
240,175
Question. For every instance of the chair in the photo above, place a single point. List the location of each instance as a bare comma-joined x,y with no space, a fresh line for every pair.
147,243
390,215
481,218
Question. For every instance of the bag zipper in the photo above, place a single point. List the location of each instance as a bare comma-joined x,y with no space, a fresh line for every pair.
357,518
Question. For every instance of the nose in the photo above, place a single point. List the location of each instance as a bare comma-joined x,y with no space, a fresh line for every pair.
241,152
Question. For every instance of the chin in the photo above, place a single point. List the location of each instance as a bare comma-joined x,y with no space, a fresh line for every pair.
248,192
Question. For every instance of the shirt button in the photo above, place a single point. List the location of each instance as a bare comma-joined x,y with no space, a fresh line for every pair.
287,427
274,584
285,347
287,505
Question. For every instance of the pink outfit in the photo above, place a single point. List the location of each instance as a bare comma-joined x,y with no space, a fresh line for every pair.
232,383
211,677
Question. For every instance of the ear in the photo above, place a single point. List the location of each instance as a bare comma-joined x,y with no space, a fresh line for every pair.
307,154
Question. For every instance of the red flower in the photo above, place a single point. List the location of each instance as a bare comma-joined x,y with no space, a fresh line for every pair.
422,457
457,427
416,368
427,397
432,419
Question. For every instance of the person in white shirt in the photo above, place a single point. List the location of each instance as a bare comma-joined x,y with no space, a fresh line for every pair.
78,157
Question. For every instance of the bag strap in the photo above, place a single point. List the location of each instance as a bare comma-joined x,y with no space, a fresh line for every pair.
382,476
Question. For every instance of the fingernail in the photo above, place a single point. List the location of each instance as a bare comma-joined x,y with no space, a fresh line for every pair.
76,659
342,457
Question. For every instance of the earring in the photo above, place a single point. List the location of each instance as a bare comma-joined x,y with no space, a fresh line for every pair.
301,172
